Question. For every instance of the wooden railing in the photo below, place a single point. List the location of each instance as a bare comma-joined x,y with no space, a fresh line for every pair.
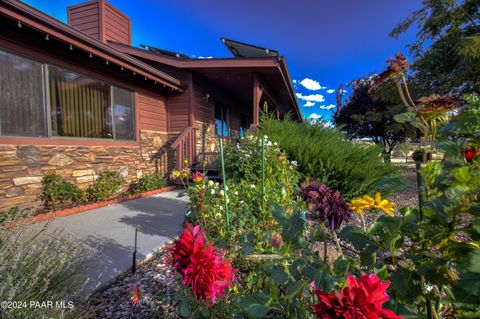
185,147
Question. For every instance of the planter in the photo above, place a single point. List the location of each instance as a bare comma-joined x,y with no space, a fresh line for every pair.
85,207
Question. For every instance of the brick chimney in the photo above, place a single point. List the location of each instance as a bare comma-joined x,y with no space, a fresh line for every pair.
100,20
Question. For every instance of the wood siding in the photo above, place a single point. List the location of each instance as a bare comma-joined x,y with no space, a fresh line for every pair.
152,112
177,107
204,110
116,26
100,20
86,18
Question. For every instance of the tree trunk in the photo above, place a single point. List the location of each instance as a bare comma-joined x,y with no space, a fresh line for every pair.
387,156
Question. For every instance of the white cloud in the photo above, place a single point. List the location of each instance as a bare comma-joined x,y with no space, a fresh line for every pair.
327,107
205,57
315,116
309,104
311,97
294,81
330,91
311,84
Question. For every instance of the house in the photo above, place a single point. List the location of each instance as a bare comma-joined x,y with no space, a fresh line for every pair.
78,99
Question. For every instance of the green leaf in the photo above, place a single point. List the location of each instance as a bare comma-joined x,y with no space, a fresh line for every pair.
293,231
356,236
406,285
294,288
474,264
255,305
184,309
462,174
406,117
280,215
279,275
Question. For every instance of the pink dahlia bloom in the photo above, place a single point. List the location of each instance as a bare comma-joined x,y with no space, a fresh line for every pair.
202,266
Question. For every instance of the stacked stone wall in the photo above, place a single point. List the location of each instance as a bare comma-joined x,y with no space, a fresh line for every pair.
22,167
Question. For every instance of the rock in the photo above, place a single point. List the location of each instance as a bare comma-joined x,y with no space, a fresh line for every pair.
14,191
86,179
123,172
83,172
139,173
30,155
27,180
60,159
157,141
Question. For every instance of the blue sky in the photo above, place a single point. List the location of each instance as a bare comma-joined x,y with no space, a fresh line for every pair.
326,43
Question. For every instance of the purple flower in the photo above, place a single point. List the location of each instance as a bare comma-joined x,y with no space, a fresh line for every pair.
325,204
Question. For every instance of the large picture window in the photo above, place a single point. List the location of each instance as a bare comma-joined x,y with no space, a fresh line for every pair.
78,106
22,111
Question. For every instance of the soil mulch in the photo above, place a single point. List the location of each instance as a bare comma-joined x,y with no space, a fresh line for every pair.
157,285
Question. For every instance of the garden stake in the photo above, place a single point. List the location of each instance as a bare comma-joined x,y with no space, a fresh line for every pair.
263,175
224,178
134,263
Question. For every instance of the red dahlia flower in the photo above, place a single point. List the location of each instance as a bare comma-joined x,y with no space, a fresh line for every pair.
136,294
197,177
192,239
360,299
202,266
470,153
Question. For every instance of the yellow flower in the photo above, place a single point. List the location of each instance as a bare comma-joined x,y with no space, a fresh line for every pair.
384,204
366,202
360,204
175,174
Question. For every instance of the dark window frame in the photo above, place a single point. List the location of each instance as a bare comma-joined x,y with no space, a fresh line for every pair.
46,102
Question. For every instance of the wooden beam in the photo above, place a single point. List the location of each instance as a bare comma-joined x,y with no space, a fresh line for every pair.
257,95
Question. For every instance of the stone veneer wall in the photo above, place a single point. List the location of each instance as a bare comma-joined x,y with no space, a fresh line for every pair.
208,142
23,166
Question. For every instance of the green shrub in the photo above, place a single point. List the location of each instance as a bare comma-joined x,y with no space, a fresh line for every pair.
105,187
149,183
39,264
326,155
243,164
57,192
12,214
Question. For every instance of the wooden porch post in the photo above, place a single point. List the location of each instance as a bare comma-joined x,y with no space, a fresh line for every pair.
257,95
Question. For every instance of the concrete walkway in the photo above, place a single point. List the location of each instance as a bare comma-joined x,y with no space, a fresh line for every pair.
109,232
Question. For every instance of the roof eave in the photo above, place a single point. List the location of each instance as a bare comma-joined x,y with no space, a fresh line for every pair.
42,22
288,82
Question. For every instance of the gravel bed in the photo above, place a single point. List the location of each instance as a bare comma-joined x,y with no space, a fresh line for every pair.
157,284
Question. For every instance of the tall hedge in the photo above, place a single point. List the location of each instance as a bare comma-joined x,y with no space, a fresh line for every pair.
328,156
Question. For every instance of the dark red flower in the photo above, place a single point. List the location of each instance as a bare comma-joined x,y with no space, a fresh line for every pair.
325,204
470,153
360,299
202,266
276,240
396,66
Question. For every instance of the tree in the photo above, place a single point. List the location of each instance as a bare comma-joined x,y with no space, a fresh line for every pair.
370,114
449,64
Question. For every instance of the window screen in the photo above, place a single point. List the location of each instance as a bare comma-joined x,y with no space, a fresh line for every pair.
22,107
